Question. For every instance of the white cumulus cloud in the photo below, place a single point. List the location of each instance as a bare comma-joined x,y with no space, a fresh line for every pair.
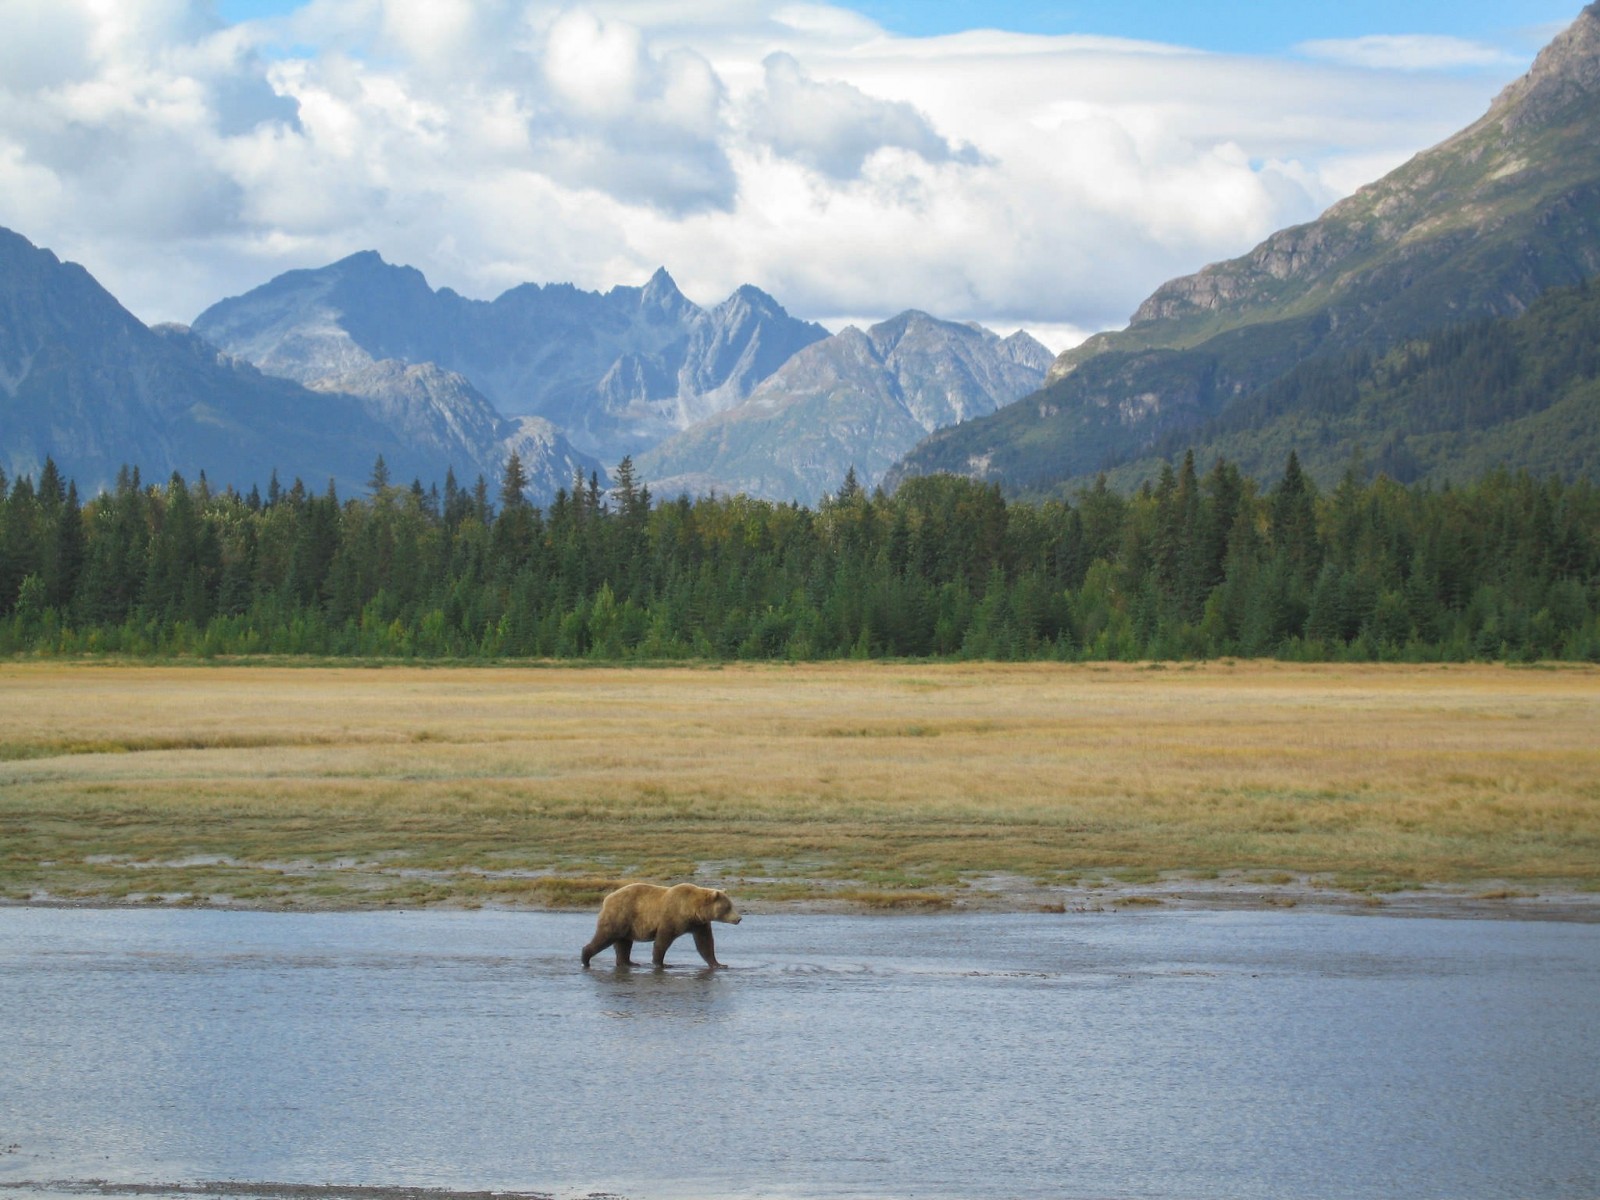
1017,180
834,127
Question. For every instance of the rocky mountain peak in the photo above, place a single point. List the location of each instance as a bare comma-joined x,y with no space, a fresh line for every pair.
41,303
662,292
915,318
886,336
1567,69
1028,350
361,260
750,299
366,270
14,248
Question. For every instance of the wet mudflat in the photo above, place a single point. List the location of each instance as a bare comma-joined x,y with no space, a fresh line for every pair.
1240,1054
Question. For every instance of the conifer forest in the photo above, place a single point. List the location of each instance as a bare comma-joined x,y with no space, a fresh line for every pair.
1190,566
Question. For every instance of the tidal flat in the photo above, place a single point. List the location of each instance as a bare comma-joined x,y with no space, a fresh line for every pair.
842,786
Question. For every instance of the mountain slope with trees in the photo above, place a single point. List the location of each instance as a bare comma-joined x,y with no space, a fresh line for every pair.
1476,228
1445,409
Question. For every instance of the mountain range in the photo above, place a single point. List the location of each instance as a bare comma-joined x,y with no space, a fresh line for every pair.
1474,229
740,397
318,372
856,400
1421,327
616,372
86,383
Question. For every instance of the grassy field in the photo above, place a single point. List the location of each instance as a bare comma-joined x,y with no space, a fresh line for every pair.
877,785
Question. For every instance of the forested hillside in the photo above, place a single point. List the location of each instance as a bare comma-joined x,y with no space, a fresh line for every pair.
1446,408
1508,567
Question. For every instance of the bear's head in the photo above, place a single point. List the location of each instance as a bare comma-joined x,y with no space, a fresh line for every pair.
717,907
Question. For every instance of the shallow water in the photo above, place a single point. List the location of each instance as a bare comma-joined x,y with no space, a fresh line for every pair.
1168,1054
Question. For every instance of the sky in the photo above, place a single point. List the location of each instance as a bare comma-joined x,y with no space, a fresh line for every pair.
1025,165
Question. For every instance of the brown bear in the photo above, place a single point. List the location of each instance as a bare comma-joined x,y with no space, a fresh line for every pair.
644,912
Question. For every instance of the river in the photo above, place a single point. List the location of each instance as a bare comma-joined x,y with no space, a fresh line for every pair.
1159,1054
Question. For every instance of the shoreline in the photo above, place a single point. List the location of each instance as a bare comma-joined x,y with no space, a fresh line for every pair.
1489,900
246,1190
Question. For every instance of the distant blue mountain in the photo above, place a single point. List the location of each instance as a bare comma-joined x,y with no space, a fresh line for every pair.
86,383
617,372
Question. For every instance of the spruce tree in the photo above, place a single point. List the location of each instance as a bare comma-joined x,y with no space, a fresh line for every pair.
66,558
1294,523
513,484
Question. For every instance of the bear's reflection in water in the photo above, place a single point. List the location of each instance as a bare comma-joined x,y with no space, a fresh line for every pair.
694,996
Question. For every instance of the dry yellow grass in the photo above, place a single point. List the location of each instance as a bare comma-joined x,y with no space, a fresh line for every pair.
895,784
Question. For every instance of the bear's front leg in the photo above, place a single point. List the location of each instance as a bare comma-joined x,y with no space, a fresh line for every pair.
706,944
594,947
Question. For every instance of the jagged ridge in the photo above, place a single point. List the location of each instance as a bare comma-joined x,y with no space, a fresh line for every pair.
617,371
858,399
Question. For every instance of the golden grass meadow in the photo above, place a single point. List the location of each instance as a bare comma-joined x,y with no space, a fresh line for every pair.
870,785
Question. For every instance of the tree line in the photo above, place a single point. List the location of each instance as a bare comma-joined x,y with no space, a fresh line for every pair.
1190,566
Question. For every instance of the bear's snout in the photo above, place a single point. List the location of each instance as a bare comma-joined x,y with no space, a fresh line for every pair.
733,918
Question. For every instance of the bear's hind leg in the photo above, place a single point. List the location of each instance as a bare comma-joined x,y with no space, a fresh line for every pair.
706,944
624,952
663,940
